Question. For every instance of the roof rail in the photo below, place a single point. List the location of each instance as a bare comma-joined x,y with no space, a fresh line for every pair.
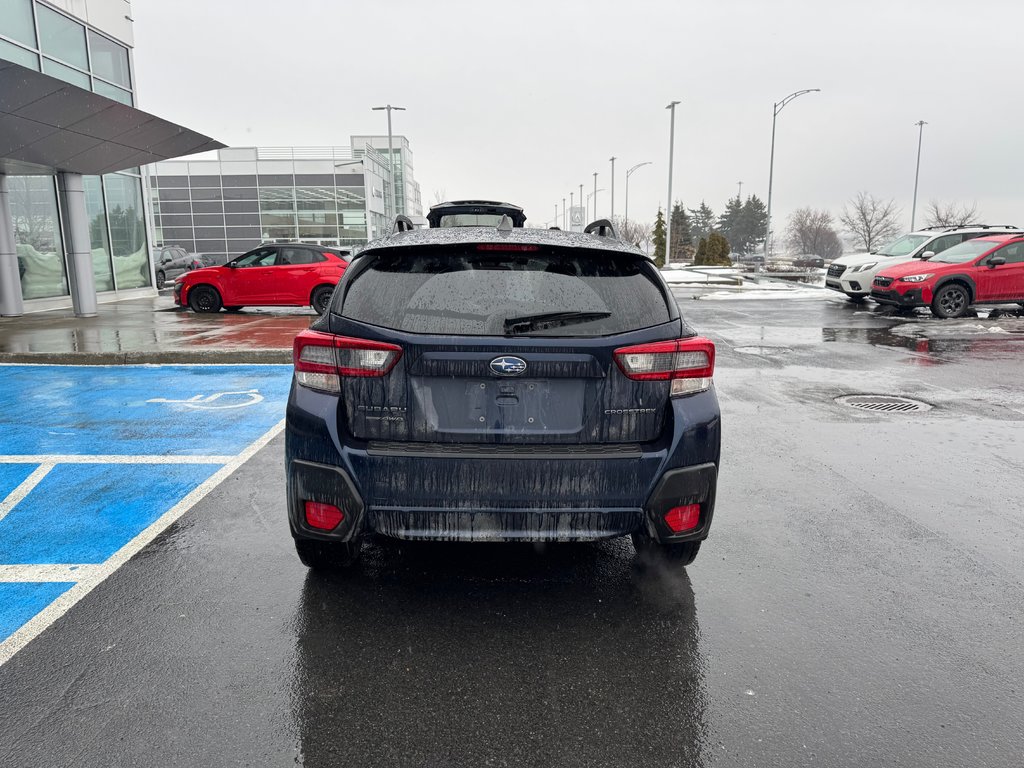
601,228
402,224
951,227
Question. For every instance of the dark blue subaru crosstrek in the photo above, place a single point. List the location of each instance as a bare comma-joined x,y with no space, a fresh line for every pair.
496,383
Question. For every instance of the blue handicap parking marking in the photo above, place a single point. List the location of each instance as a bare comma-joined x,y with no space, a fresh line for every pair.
139,410
19,602
110,505
91,458
13,475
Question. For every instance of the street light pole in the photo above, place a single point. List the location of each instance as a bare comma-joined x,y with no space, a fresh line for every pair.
629,172
584,209
920,135
595,197
671,152
391,154
563,214
612,216
776,108
739,192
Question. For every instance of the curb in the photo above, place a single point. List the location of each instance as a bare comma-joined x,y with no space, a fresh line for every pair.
145,357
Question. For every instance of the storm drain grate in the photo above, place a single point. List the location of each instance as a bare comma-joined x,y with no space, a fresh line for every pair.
884,403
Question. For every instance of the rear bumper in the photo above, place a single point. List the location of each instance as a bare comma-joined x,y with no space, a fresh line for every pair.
500,493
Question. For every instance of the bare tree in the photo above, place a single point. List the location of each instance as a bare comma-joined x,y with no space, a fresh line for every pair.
951,214
440,196
813,231
871,221
636,232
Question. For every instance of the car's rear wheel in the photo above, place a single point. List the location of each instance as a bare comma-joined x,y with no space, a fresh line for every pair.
322,298
951,300
680,553
328,555
161,278
233,309
204,298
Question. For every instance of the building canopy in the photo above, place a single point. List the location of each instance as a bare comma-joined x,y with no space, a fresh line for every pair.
49,126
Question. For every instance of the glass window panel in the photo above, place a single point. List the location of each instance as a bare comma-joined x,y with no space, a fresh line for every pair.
318,231
128,231
37,236
241,206
61,37
276,180
171,181
209,233
173,194
235,233
67,74
109,60
112,92
211,206
206,194
277,219
317,218
316,205
204,181
240,193
315,193
16,22
270,194
211,246
175,220
173,207
241,246
234,180
176,234
17,54
279,233
99,241
235,219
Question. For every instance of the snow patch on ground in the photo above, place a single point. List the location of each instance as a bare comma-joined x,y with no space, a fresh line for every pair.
952,329
764,292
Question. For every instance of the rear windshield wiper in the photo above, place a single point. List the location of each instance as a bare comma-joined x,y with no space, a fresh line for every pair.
514,325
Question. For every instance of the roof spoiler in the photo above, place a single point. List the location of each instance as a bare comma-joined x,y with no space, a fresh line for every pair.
601,228
402,224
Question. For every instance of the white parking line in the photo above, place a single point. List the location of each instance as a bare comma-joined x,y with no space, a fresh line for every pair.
113,458
62,572
95,575
25,487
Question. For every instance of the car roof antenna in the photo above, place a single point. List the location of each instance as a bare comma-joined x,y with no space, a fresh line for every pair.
505,225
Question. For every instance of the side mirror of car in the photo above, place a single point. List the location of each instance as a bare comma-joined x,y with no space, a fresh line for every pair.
996,261
166,259
231,264
927,255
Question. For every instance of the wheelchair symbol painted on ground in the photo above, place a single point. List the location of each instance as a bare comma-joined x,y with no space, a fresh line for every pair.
216,402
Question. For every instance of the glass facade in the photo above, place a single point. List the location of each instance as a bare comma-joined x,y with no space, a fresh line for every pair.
45,39
37,236
41,38
225,215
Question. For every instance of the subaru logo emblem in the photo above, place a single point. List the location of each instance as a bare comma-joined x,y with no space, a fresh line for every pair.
508,366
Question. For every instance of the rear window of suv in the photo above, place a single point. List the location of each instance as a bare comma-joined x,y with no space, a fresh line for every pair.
474,293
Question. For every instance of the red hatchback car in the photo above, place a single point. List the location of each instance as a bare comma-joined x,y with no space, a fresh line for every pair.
283,274
985,270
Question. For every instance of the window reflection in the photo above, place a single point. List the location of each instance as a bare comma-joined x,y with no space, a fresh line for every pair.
61,37
98,239
37,236
127,231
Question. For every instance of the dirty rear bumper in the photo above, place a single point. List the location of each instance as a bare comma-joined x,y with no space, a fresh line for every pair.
474,492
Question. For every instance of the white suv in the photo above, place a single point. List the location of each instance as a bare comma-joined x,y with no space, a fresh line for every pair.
853,274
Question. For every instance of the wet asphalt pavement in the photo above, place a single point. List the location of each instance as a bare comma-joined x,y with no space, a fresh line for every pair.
859,601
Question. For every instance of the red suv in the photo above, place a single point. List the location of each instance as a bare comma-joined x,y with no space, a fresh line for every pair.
985,270
284,274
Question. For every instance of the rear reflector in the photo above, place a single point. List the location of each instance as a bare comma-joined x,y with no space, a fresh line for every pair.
322,358
688,363
325,517
680,519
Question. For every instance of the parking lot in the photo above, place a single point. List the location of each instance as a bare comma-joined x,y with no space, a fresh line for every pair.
858,601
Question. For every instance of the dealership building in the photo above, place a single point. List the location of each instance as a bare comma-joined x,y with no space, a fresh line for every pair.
74,223
226,202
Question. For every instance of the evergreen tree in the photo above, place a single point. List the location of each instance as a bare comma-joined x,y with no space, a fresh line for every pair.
717,251
701,254
730,224
702,221
659,239
681,236
755,219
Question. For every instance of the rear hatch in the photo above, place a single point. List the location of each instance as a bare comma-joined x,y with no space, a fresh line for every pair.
505,344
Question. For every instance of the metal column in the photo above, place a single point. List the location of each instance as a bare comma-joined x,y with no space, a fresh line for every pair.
77,244
10,280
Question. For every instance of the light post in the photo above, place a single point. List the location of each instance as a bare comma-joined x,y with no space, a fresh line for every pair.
595,197
563,214
629,172
611,218
391,153
776,108
584,210
671,151
920,135
572,203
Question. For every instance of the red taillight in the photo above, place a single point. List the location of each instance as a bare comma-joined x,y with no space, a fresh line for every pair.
509,247
325,517
680,519
321,358
688,363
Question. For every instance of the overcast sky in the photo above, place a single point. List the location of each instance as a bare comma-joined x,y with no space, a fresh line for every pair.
524,101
